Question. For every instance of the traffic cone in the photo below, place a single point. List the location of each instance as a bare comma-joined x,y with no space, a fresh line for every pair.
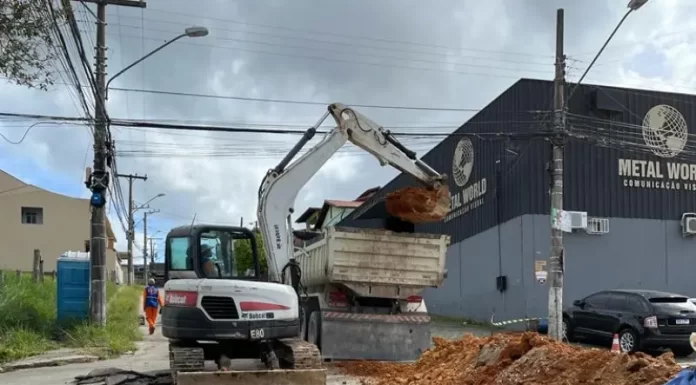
615,348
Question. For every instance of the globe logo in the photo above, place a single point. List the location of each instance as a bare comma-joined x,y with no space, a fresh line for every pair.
665,131
463,161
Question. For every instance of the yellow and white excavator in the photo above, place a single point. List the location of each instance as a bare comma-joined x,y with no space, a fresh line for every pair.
215,312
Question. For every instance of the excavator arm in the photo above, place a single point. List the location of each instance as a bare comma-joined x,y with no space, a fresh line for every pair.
281,184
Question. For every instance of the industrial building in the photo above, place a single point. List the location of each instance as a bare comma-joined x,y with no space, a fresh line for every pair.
629,189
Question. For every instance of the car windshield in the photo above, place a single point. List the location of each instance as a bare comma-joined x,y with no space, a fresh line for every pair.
668,300
670,304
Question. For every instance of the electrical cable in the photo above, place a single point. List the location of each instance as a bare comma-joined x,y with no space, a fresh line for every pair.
286,101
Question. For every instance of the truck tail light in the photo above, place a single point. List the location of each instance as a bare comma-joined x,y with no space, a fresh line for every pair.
414,299
181,298
650,322
338,299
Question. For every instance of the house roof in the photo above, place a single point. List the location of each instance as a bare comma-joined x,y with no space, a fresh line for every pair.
307,214
109,230
338,203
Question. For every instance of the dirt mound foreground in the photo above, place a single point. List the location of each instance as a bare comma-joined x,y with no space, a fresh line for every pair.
518,359
419,204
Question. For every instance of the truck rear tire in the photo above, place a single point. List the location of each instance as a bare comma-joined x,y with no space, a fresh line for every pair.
314,329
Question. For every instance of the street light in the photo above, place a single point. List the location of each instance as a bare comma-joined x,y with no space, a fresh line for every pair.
636,4
142,206
188,32
633,5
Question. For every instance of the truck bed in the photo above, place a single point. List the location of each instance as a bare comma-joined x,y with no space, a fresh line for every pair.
374,263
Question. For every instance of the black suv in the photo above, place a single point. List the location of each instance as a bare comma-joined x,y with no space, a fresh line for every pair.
642,318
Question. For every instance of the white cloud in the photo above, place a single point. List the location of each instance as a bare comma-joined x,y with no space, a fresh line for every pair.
216,175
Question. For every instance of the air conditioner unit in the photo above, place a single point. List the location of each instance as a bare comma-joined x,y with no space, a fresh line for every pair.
597,226
689,224
578,219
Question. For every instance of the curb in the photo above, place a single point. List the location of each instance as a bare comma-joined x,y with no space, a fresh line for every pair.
43,363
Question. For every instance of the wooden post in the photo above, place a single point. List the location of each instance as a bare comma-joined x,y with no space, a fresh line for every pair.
37,263
2,277
41,271
53,275
19,274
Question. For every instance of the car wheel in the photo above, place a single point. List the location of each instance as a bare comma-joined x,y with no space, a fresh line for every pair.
682,351
628,341
567,330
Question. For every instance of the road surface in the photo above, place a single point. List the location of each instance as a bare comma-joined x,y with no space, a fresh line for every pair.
152,354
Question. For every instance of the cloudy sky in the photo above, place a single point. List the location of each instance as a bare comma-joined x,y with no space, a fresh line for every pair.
442,53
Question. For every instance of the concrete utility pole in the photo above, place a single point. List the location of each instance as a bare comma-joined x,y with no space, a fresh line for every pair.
556,170
152,251
131,223
556,260
99,179
145,242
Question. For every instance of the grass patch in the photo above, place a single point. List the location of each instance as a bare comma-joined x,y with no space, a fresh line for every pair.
28,321
122,327
461,321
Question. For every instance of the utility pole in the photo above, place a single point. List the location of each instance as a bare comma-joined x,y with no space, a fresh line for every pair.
145,242
152,251
98,181
556,170
131,223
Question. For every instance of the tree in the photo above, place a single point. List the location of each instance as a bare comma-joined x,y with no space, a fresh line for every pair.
242,248
26,42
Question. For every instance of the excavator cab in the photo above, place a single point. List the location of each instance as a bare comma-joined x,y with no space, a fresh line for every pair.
212,252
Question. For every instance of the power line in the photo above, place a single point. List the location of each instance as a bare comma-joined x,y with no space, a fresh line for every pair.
345,52
343,61
286,101
325,33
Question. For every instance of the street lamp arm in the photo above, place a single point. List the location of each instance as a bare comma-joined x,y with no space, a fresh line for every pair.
570,95
119,73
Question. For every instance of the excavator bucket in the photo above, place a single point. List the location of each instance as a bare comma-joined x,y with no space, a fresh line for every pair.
260,377
419,204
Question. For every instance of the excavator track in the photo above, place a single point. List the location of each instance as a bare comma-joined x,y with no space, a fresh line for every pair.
295,353
186,359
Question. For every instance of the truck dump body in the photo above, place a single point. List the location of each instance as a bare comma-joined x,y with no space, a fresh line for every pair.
375,263
387,271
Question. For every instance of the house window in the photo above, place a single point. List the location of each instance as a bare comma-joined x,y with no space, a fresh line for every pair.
32,215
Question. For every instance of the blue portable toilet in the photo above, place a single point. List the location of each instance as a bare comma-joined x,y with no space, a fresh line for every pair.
73,282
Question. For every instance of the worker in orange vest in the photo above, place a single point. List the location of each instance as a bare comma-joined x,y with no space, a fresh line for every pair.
151,303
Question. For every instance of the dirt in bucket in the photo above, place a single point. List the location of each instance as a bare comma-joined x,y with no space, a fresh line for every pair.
419,204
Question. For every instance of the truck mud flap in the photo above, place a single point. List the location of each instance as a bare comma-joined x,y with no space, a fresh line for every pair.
259,377
353,336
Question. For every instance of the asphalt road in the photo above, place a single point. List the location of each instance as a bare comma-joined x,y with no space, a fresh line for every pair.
153,355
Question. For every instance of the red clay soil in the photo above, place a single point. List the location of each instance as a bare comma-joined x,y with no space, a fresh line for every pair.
419,204
517,359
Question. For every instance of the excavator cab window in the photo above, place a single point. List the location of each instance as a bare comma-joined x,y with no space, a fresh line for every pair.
214,252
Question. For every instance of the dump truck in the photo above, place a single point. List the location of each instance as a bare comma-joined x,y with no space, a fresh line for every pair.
362,292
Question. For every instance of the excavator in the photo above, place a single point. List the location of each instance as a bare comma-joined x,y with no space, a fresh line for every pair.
214,311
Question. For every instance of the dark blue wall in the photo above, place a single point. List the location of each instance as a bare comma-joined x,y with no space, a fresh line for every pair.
634,254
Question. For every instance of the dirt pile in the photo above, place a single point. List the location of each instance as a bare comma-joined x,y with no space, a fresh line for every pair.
517,359
418,204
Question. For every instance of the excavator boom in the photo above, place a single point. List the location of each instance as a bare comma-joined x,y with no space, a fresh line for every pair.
279,189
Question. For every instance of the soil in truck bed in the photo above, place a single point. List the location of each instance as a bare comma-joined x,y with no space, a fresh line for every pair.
517,359
419,204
